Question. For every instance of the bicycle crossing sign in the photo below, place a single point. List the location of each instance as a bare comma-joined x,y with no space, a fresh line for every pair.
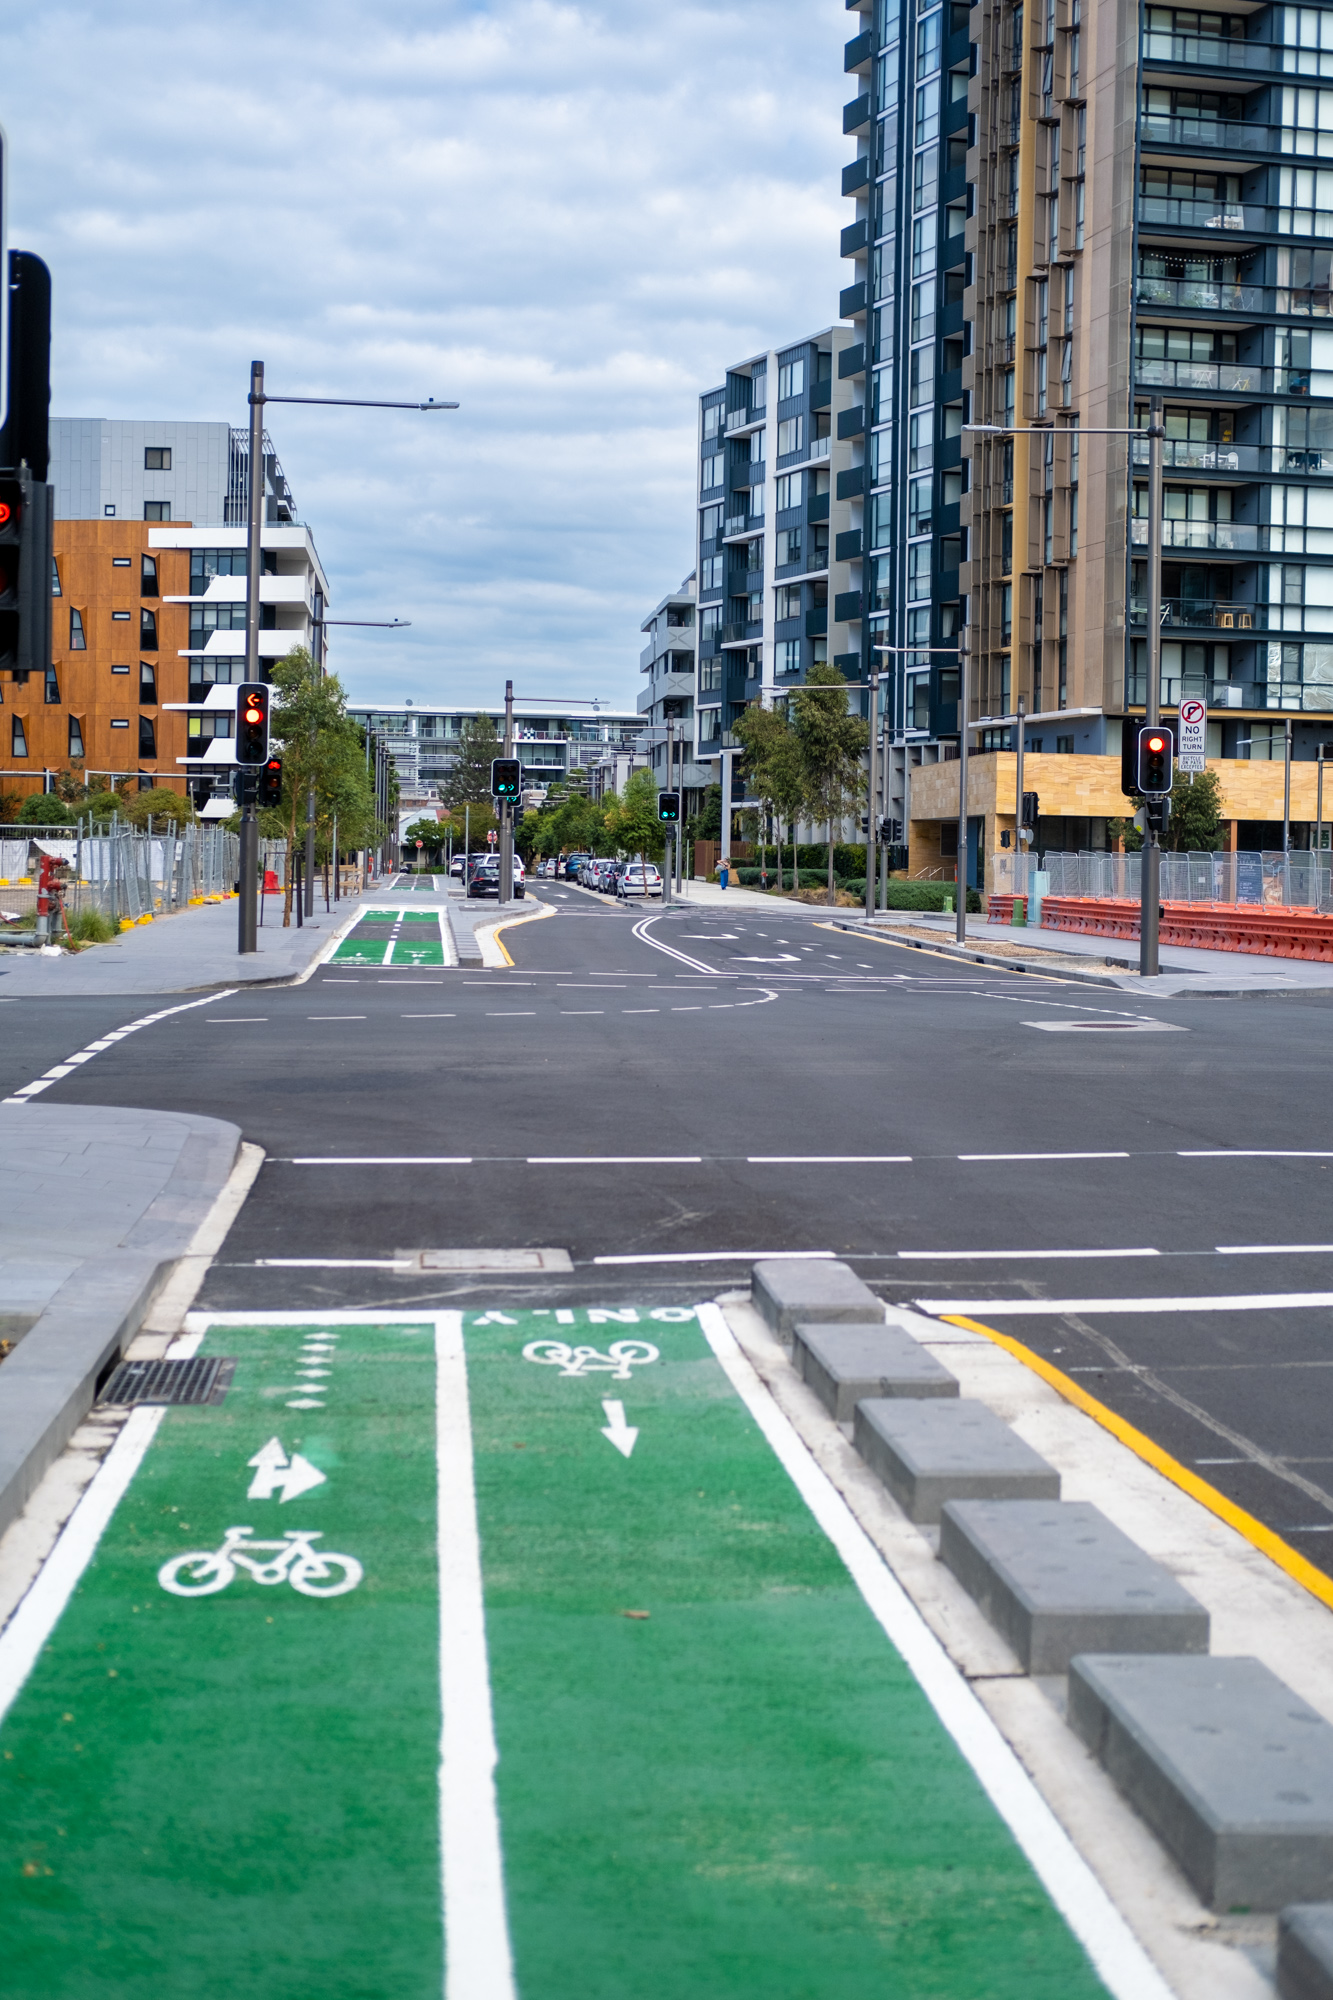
1192,745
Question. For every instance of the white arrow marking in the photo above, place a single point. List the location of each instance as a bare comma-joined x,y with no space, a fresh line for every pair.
620,1434
275,1472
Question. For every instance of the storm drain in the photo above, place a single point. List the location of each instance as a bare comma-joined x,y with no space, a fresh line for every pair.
195,1381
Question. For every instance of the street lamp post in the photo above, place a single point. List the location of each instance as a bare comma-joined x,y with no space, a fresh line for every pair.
506,810
1151,873
960,884
259,399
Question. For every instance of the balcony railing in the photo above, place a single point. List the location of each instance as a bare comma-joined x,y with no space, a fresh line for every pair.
1196,295
1181,455
1224,537
1302,696
1197,612
1213,52
1229,135
1234,378
821,447
1252,218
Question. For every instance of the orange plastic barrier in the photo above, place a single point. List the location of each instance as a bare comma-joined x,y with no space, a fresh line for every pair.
271,884
1256,928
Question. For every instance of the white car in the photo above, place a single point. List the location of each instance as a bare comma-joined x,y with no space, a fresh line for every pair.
637,881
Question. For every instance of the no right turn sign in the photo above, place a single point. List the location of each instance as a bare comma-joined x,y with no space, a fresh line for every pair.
1192,744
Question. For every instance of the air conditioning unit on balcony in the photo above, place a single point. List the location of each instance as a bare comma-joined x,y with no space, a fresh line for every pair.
1227,694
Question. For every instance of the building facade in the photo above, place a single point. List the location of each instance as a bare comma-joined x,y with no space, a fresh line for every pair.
666,702
424,743
778,530
148,619
1064,209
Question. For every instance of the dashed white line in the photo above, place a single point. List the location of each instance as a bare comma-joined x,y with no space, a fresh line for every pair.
1043,1156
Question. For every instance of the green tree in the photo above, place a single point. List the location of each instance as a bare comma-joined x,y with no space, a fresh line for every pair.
160,804
44,809
470,780
631,820
432,833
774,772
320,746
1196,817
832,741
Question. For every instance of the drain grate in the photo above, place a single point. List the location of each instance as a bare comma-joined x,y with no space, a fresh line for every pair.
170,1381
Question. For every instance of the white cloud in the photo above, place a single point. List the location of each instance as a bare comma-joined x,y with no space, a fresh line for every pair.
568,217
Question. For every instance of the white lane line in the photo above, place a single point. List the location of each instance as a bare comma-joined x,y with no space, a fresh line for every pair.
511,1014
1069,1881
581,1013
479,1963
379,1160
1107,1027
1274,1249
231,1019
33,1623
1049,1308
27,1090
682,958
714,1257
641,1010
828,1159
336,1263
687,1010
428,1017
1042,1156
1252,1153
615,1159
335,1017
961,1256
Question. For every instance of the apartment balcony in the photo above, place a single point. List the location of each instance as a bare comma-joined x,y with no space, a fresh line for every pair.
1181,455
1204,614
1229,135
735,524
1231,538
1193,295
859,53
856,114
847,606
821,394
852,300
847,547
816,622
1162,51
1248,218
856,175
817,508
820,447
852,361
1198,687
1225,377
856,235
851,423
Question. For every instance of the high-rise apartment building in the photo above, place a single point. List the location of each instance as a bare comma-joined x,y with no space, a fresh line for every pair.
777,537
1063,209
666,701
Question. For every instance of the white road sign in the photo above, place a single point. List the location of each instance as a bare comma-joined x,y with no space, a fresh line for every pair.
1192,743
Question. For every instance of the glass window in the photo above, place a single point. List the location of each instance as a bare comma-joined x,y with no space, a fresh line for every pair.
75,737
789,547
77,642
710,523
713,472
147,682
208,563
148,576
157,510
789,490
712,419
147,736
787,656
18,742
148,630
55,578
791,379
52,688
791,436
157,458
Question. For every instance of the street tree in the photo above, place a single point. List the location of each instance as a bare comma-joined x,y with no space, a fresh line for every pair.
832,741
1196,817
431,833
631,819
774,773
321,747
470,779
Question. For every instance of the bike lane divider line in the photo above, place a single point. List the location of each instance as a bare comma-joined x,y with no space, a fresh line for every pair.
717,1771
222,1765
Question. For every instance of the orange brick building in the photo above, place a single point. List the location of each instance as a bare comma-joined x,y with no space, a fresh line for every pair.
118,654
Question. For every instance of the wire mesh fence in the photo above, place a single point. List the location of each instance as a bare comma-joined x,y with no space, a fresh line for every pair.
122,872
1300,880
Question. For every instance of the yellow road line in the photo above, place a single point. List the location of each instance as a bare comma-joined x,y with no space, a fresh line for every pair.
1254,1532
510,923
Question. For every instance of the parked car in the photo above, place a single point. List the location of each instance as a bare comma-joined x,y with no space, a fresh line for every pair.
484,876
456,865
636,881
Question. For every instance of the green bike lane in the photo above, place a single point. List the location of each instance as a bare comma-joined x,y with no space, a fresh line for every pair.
393,937
561,1676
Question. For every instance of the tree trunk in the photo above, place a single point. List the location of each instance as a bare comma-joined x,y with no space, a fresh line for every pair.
291,850
832,892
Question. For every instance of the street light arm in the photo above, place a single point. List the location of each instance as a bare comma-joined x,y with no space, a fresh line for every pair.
354,403
386,624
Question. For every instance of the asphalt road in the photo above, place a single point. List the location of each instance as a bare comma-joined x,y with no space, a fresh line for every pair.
666,1094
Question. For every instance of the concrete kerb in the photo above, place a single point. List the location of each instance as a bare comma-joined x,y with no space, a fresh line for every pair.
49,1381
1305,1952
846,1364
819,1291
930,1453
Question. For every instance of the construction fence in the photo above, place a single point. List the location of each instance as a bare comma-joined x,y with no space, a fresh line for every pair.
117,870
1301,880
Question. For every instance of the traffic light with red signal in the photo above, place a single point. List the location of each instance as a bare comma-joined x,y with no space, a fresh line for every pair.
252,724
1156,760
11,548
270,785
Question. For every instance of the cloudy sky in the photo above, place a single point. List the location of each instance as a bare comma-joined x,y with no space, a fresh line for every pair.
570,218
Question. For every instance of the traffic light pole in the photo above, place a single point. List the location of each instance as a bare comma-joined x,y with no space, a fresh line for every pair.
506,810
1151,876
248,886
1019,849
872,804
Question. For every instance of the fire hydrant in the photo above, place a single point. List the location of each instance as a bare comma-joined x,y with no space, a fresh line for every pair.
50,874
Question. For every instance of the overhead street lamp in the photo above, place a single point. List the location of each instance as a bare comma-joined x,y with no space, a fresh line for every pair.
1151,876
248,909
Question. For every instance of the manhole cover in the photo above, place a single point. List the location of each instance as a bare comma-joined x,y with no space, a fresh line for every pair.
193,1381
493,1260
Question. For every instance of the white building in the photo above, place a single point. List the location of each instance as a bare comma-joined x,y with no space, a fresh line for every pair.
668,697
549,742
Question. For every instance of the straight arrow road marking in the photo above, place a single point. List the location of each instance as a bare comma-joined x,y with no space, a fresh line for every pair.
622,1435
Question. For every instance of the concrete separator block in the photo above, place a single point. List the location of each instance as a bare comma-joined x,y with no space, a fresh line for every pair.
930,1452
1061,1579
1231,1770
821,1289
1305,1952
844,1364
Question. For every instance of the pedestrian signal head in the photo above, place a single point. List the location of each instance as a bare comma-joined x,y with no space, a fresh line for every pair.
1156,757
506,778
668,807
252,723
270,784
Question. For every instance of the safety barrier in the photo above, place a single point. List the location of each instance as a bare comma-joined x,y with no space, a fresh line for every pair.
1265,931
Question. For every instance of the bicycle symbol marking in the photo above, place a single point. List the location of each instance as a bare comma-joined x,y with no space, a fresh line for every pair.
620,1357
294,1560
